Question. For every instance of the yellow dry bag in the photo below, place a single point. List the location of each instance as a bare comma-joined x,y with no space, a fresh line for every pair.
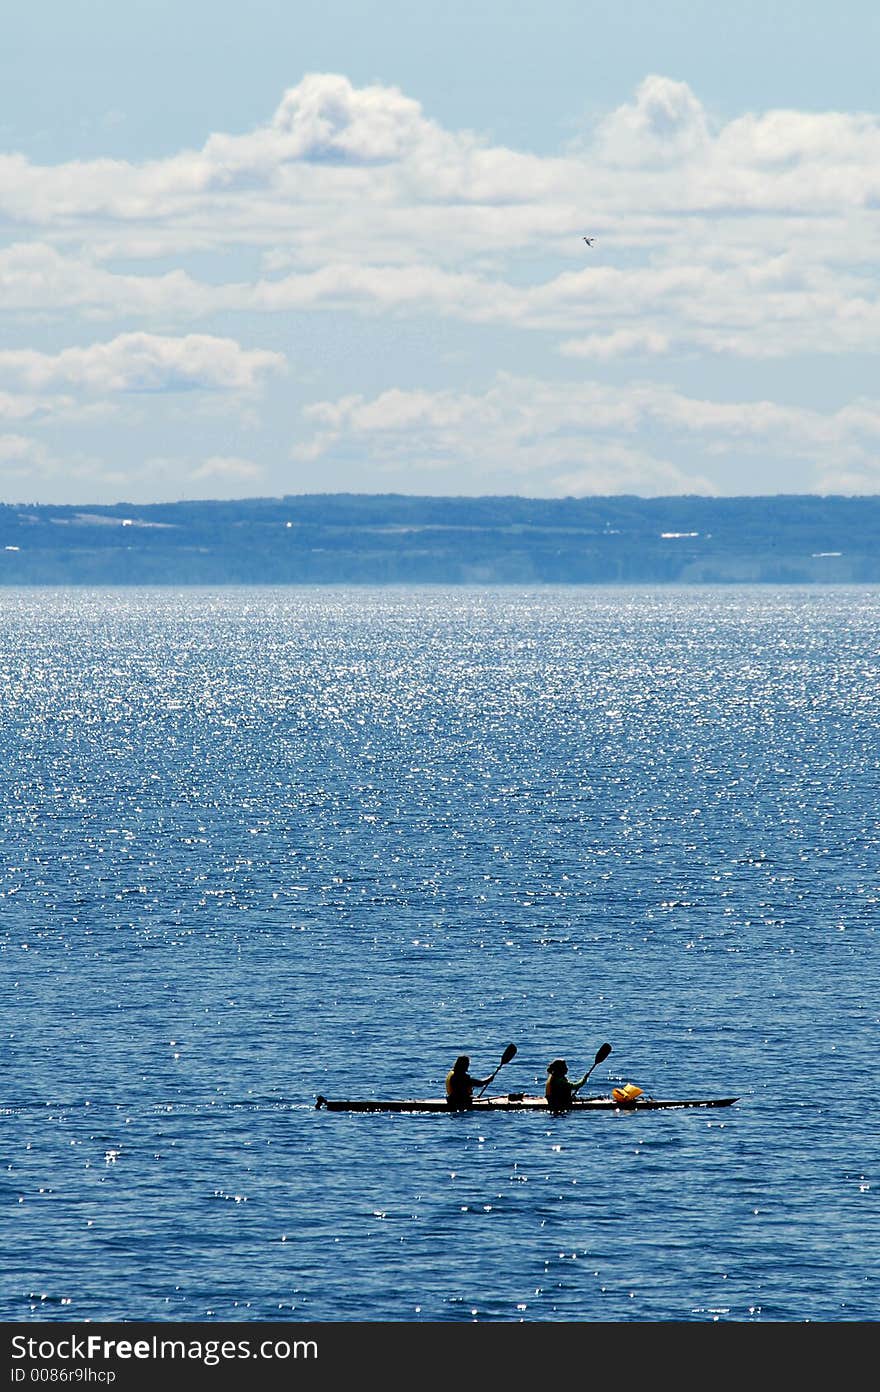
627,1094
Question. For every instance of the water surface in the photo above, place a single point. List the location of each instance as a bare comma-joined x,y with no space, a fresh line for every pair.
263,844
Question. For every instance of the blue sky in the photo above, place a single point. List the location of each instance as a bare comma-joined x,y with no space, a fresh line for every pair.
291,248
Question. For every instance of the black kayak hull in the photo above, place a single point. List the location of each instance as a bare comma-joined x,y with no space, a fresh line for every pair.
515,1102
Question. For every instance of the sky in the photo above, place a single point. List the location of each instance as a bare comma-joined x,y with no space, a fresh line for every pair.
285,247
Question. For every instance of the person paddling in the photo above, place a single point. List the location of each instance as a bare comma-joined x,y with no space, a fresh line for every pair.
460,1085
559,1089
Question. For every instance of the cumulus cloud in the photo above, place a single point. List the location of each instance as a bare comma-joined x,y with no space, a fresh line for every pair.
223,468
140,362
31,472
325,119
754,238
840,479
19,407
585,437
664,122
38,276
609,470
181,476
619,343
329,144
18,454
764,308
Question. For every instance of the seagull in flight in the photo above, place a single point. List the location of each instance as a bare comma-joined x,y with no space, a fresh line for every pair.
589,240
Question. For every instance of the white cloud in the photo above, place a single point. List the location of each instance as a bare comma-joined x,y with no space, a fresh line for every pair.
180,476
769,306
754,239
585,437
37,276
142,362
665,122
330,145
31,472
620,343
840,480
325,119
18,407
609,470
18,453
226,469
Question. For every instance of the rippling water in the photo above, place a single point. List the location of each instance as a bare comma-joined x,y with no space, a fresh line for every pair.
264,844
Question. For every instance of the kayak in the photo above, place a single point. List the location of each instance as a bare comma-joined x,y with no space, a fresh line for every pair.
519,1102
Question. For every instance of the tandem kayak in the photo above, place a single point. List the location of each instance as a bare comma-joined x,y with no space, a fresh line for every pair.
519,1102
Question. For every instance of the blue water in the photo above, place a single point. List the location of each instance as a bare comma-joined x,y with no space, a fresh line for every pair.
264,844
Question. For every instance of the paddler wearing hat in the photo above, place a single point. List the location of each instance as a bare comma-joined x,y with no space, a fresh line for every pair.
559,1089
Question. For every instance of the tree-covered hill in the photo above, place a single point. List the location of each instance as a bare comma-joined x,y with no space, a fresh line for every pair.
395,538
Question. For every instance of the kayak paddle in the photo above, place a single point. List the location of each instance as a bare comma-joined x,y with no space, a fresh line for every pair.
601,1054
508,1054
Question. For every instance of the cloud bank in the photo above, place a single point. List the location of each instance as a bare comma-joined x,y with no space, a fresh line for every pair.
749,241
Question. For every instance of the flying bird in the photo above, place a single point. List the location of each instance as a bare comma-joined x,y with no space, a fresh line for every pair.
589,240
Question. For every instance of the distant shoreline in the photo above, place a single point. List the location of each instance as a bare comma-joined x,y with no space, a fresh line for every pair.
377,539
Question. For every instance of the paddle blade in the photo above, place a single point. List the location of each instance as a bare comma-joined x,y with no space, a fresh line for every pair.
602,1053
505,1058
